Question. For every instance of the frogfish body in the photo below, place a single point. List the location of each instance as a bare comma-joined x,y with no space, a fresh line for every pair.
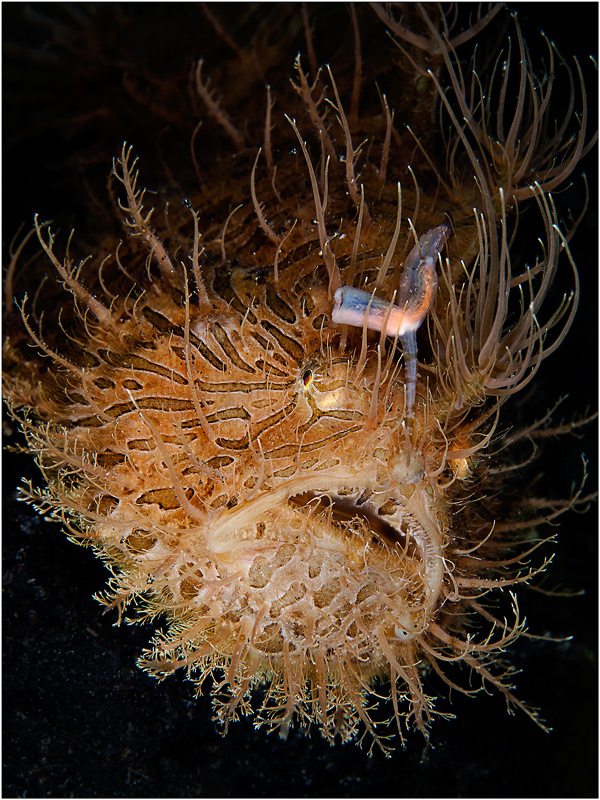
309,498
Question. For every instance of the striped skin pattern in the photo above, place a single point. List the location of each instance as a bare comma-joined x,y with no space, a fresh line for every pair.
246,466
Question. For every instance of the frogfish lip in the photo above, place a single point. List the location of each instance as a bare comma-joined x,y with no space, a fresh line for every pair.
391,524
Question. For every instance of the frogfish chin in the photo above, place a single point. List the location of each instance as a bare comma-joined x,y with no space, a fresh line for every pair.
276,403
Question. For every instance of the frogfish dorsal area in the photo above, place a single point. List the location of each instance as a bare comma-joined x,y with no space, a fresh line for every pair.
271,394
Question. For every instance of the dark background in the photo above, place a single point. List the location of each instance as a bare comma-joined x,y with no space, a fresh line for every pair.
81,720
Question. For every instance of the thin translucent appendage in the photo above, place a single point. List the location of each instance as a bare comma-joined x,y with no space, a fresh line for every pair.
409,352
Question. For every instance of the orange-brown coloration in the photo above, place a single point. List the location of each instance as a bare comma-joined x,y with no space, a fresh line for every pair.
244,465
